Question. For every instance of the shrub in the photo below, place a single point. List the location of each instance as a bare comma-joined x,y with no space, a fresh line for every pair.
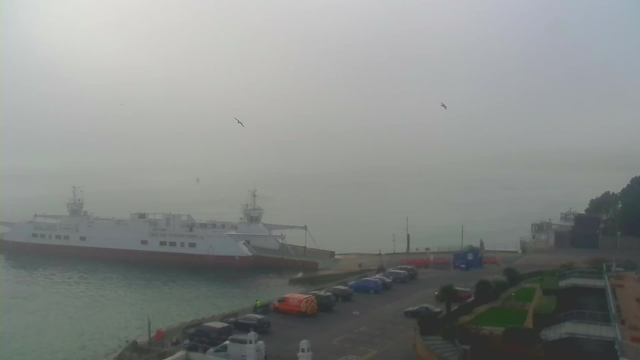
483,291
499,286
512,275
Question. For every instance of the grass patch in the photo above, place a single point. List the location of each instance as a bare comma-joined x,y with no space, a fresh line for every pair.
501,317
546,305
524,295
549,282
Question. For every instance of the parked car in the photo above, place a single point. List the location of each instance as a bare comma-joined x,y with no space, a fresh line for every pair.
248,322
413,272
236,348
208,335
341,292
372,286
423,310
386,282
398,276
464,294
297,304
325,300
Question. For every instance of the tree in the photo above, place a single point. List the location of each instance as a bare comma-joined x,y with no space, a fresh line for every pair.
449,295
483,291
512,275
629,213
606,204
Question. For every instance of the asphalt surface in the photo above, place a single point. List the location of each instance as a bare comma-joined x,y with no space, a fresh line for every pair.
371,326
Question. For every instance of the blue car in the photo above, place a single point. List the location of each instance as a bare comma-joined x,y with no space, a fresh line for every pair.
369,285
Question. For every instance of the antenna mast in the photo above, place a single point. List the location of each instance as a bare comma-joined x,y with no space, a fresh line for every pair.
408,237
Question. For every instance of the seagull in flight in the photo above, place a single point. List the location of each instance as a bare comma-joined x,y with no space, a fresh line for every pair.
239,122
443,105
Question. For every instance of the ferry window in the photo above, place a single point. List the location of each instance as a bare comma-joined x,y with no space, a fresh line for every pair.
172,243
203,226
181,244
192,245
43,236
213,226
144,242
221,226
66,237
58,237
167,221
34,235
83,238
163,243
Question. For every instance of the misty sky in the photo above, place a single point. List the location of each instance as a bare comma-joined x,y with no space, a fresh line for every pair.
135,99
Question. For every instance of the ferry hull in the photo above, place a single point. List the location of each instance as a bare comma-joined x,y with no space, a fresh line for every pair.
137,256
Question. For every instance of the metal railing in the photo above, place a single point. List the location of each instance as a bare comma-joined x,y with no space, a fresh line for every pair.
580,274
587,317
576,328
615,321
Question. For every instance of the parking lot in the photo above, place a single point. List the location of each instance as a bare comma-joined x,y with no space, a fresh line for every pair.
371,326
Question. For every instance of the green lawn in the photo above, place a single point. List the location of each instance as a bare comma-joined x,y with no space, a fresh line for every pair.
549,282
546,305
524,295
500,317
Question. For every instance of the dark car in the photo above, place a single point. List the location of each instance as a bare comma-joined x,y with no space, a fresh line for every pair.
423,310
413,272
341,292
398,276
207,335
248,322
386,282
463,295
372,286
325,300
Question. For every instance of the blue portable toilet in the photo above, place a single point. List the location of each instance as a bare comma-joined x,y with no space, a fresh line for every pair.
468,258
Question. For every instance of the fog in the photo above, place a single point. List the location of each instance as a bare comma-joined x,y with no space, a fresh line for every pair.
134,100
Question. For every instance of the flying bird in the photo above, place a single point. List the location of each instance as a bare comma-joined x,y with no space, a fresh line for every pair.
443,105
239,122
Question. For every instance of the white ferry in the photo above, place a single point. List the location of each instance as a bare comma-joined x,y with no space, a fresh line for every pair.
161,237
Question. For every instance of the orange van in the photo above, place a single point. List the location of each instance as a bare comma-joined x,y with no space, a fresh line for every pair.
296,304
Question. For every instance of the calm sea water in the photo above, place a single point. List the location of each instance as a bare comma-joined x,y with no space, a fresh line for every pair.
55,308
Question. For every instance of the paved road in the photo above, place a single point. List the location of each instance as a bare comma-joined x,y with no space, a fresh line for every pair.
370,326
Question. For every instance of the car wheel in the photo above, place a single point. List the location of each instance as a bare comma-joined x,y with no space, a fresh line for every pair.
372,291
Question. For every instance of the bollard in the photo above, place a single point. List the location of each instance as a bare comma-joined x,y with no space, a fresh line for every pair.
251,346
305,350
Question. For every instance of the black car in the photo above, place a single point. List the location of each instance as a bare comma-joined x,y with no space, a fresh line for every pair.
213,333
386,282
341,293
399,276
423,310
325,300
248,322
413,272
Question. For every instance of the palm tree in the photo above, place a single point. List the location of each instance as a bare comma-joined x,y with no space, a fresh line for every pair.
448,294
484,291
